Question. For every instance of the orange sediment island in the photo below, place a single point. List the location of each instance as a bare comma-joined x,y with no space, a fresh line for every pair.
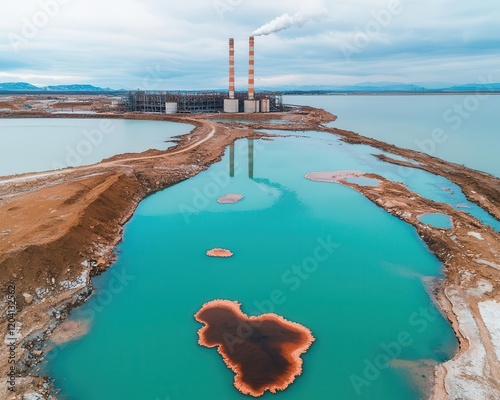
337,176
219,253
230,199
264,352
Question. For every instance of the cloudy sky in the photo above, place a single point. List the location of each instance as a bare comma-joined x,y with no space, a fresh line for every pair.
162,44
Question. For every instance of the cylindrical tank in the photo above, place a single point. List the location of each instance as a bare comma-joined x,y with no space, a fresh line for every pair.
265,106
252,106
171,108
231,105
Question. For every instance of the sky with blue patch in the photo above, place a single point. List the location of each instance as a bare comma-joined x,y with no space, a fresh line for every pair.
159,44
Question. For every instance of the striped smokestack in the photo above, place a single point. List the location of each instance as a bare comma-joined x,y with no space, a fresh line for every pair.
231,69
251,70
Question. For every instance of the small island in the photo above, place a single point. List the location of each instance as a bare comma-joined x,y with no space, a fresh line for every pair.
220,253
230,199
264,352
333,177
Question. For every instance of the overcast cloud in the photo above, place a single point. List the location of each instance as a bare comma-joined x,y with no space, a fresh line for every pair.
153,44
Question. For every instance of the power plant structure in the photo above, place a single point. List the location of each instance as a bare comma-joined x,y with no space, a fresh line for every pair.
232,104
210,102
251,105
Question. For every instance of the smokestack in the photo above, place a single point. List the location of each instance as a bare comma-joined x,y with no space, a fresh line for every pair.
231,69
251,70
231,105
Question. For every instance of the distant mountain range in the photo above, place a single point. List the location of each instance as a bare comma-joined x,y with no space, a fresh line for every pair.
368,87
28,87
387,87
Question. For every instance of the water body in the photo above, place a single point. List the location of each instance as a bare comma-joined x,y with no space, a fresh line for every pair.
430,186
363,181
319,254
437,220
35,145
457,128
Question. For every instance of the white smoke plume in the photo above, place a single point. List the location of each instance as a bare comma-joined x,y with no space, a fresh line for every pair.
287,21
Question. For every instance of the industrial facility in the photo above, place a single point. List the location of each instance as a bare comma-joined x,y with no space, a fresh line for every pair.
210,102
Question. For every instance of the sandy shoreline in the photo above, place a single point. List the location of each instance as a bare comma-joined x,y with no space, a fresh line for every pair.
73,219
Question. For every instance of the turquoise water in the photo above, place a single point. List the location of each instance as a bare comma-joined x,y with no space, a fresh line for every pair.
433,187
437,220
430,124
362,181
35,145
319,254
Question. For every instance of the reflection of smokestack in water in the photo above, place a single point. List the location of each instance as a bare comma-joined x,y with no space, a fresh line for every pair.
250,158
231,69
231,161
251,70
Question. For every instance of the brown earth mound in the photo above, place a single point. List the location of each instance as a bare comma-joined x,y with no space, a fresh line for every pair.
220,253
8,106
264,352
230,199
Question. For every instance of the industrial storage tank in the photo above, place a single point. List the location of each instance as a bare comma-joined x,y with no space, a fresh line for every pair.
171,108
231,105
252,106
265,105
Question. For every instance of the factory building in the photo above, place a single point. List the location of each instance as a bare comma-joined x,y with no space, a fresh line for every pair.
210,102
